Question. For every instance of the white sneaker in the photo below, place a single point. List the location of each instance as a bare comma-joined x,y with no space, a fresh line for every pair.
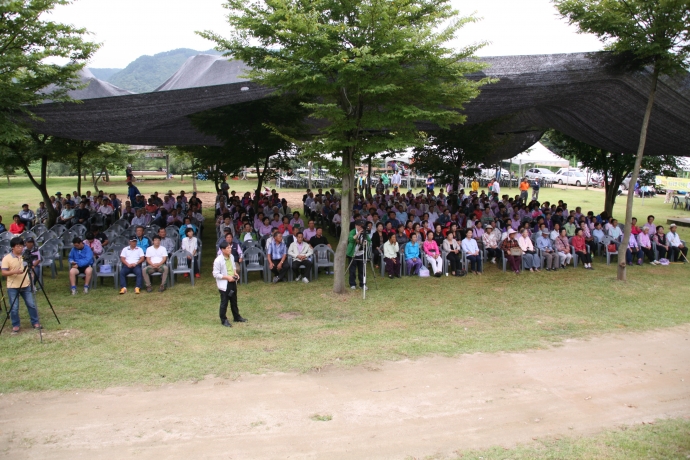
353,287
299,277
305,280
493,261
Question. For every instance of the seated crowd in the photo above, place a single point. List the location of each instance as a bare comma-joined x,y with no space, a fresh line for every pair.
102,225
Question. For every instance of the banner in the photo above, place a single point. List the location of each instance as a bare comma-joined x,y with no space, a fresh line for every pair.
674,183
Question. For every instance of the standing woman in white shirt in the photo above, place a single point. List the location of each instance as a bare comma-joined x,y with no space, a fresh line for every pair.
191,245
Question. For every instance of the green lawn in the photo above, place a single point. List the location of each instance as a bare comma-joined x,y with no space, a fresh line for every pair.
665,439
107,340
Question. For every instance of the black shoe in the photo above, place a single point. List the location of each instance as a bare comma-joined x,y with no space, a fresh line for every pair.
226,323
241,320
390,276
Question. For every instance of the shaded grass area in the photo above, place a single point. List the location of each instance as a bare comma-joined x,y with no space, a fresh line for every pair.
665,439
107,340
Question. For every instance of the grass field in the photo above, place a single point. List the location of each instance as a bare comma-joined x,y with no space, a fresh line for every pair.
665,439
107,340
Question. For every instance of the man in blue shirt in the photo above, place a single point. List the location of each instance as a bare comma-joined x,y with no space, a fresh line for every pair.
142,241
545,245
132,192
80,261
276,255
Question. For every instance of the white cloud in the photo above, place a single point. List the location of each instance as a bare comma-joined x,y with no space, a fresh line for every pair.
130,28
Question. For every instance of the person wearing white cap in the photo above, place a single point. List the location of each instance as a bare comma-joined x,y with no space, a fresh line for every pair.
676,246
490,240
511,249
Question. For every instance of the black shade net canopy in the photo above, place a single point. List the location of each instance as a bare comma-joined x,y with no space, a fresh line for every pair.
582,95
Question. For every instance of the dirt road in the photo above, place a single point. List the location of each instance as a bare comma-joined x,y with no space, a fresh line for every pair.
412,408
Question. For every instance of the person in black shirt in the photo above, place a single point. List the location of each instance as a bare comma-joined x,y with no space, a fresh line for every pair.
319,239
81,215
95,229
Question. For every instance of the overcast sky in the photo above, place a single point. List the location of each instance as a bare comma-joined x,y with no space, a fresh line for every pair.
129,28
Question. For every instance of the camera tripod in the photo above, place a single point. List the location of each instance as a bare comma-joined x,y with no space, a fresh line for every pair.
28,272
363,245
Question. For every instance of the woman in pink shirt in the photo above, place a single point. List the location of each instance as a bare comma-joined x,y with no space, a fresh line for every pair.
433,255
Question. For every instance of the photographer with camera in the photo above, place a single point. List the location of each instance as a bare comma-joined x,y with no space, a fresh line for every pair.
18,284
356,245
226,280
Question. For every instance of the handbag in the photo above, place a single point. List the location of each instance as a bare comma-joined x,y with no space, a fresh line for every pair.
105,268
423,272
612,247
515,252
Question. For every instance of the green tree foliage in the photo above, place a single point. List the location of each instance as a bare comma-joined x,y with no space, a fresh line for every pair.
256,134
458,152
374,68
614,167
28,149
73,152
646,32
27,43
106,157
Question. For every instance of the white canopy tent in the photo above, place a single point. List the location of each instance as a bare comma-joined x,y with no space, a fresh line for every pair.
541,156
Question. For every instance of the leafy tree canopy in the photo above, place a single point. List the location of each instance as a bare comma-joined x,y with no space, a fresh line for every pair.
27,43
650,31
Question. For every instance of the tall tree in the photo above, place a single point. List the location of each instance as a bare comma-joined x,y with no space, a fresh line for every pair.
458,152
652,33
104,158
28,43
73,152
614,167
372,66
28,149
250,134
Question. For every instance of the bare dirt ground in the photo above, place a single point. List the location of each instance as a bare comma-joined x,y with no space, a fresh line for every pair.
432,406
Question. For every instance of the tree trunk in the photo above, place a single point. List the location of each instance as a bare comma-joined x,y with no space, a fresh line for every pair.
369,177
8,180
345,204
260,181
456,183
622,275
610,193
107,175
216,178
79,156
193,181
42,187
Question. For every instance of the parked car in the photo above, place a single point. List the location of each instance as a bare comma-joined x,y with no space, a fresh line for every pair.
540,173
491,173
576,178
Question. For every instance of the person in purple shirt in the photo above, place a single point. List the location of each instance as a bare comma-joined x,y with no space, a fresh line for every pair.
645,245
310,231
265,227
633,250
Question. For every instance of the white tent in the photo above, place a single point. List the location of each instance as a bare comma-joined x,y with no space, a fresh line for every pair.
541,156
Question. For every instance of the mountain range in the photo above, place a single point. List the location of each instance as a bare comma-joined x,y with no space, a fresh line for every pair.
147,73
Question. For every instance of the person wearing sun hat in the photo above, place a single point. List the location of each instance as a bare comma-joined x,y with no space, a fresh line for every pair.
508,246
490,240
675,245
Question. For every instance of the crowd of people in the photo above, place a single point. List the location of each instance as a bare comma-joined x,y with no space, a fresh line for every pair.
425,234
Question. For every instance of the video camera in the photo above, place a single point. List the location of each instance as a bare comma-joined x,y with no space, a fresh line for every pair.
28,256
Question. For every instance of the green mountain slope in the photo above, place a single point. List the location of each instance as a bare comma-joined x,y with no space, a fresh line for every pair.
104,74
146,73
